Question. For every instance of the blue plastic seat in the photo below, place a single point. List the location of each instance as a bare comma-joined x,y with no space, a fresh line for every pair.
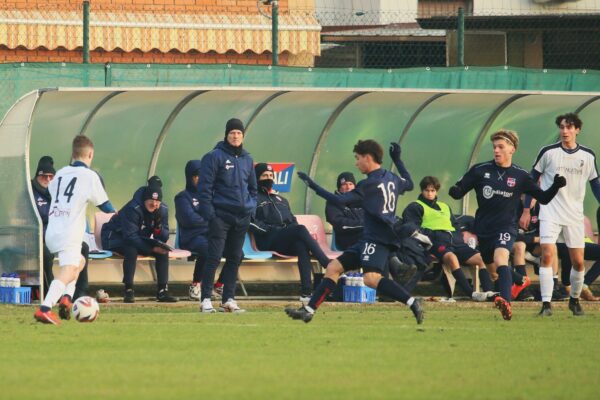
251,254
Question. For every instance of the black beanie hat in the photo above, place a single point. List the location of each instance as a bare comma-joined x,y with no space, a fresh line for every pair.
345,177
155,181
232,124
152,192
260,168
45,166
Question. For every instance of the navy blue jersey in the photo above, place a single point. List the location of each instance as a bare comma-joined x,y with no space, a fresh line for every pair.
498,193
377,195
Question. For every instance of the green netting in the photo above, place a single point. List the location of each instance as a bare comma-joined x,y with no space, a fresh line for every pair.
18,79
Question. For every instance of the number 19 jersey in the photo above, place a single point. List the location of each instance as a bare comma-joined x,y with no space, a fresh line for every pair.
71,189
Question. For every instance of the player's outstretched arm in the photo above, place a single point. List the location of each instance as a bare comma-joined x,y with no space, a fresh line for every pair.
545,196
340,199
395,152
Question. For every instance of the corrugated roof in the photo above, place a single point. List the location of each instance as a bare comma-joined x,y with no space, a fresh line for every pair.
298,33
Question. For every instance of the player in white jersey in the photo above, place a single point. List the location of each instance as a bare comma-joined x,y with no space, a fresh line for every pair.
72,188
562,219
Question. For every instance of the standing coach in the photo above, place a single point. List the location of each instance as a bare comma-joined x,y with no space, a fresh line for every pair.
227,200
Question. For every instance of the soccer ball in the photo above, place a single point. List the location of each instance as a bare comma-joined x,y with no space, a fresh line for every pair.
86,309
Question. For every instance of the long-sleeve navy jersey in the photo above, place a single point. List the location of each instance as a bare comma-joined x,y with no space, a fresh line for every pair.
498,193
377,195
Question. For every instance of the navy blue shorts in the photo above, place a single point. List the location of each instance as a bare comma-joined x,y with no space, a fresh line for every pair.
461,250
370,256
489,243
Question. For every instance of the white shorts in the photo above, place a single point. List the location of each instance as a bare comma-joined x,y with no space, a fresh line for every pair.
572,235
70,256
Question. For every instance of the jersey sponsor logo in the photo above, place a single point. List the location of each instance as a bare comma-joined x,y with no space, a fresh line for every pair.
488,192
57,212
229,165
571,170
511,182
41,201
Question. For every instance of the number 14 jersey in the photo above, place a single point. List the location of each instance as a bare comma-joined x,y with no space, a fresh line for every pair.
71,189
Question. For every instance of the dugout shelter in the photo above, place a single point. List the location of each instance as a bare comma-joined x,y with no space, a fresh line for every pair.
140,132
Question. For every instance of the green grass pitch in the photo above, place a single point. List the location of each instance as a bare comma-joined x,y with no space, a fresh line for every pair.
462,351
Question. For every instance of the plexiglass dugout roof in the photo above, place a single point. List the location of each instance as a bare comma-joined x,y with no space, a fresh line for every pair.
139,132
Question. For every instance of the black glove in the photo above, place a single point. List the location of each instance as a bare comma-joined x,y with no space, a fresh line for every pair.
306,179
303,176
455,192
559,181
395,151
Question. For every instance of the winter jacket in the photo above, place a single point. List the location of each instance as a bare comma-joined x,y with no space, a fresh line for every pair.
227,184
190,223
42,199
272,212
347,222
133,223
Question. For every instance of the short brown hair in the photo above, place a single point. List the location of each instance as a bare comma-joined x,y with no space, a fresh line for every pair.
509,136
369,146
430,181
81,144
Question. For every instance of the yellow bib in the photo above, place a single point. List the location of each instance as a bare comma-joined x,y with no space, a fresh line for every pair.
437,220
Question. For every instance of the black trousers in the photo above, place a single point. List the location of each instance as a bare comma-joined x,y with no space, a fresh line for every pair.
199,246
81,286
591,252
130,262
225,238
295,240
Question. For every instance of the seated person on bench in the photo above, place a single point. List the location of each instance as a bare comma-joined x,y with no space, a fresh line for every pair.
128,233
275,228
436,221
193,229
347,221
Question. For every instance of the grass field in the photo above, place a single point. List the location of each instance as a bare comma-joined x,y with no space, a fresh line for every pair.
462,351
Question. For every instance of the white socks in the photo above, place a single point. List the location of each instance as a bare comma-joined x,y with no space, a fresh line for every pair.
410,301
56,290
546,283
70,288
576,282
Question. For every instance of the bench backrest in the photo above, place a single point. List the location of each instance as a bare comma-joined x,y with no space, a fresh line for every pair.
100,219
315,227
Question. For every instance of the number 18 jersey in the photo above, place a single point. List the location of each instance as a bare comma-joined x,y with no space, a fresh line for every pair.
71,189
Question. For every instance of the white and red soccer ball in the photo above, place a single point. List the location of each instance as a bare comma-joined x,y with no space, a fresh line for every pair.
85,309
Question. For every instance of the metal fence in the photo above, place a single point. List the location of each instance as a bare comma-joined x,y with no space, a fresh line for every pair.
321,33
